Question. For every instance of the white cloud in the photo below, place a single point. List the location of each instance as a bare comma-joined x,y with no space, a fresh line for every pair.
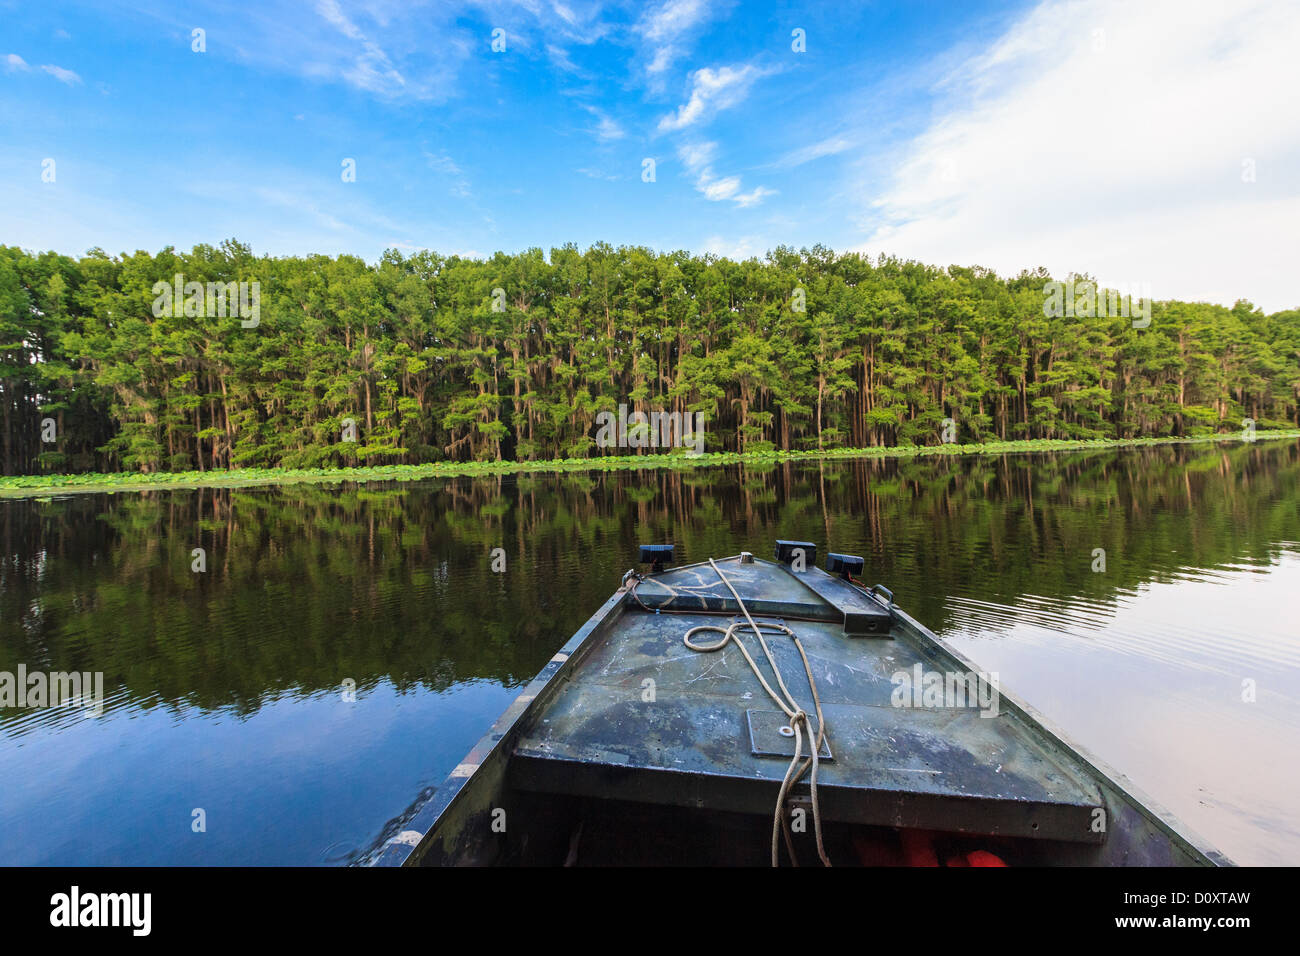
330,10
830,146
560,57
391,49
672,19
443,164
666,30
606,129
712,90
753,197
62,75
745,247
307,209
1111,138
717,189
14,62
578,22
371,69
396,50
565,14
697,158
663,59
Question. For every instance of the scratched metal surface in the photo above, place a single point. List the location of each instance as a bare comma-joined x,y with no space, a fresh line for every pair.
698,586
690,745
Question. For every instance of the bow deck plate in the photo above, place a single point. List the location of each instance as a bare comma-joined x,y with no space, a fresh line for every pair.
647,719
767,739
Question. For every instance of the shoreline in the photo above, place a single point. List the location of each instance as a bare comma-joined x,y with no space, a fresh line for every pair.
41,486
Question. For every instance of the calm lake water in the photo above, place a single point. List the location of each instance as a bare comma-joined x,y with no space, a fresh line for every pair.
227,689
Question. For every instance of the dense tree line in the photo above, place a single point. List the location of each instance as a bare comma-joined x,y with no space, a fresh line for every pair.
437,357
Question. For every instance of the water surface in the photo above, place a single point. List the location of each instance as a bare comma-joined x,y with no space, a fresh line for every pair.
230,691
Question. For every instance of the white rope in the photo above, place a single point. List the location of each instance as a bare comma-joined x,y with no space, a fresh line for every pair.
789,706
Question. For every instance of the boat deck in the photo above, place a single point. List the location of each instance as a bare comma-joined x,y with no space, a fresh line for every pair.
646,718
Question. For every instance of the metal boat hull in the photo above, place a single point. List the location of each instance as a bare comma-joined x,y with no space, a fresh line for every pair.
629,747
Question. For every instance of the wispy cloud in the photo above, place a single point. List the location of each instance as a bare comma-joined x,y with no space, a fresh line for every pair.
333,13
1153,143
670,20
560,58
698,159
753,197
831,146
580,23
666,30
392,51
60,74
371,69
606,129
300,205
696,156
446,166
442,163
712,90
745,247
13,62
304,207
400,50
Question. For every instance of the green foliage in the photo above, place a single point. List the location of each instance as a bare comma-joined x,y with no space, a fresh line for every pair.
433,368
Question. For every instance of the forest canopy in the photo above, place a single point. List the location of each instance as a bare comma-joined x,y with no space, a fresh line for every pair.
427,357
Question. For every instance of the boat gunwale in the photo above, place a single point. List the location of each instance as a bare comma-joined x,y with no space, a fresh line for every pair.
1051,735
410,845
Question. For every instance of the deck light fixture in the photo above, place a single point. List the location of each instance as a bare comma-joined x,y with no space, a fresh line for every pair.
845,565
656,555
785,552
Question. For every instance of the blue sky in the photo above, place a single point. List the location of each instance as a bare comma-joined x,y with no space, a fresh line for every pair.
1089,135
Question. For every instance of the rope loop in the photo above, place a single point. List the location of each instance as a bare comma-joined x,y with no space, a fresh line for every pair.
798,717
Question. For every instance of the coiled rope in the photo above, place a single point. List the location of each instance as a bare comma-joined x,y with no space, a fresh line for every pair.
785,700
